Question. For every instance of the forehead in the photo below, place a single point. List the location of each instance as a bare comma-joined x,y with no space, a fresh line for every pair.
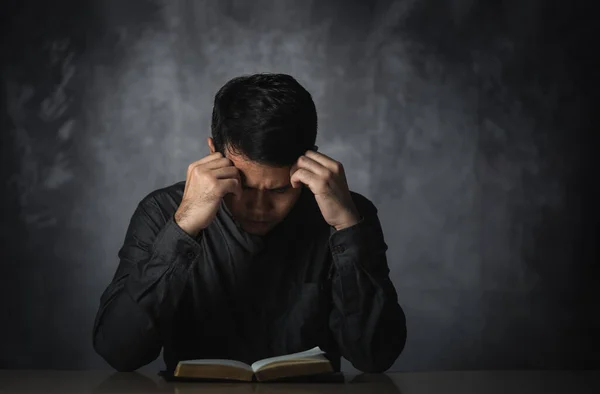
259,174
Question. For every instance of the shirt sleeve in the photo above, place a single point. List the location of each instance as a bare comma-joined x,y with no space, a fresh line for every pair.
137,306
366,320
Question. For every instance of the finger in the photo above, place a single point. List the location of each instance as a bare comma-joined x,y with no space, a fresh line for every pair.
226,172
230,185
324,160
313,166
304,176
209,158
218,163
202,161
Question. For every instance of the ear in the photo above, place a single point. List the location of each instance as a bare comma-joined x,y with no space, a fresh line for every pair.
211,145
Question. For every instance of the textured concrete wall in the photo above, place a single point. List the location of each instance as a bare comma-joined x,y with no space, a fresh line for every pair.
464,122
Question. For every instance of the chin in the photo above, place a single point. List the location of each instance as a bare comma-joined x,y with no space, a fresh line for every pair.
254,232
257,230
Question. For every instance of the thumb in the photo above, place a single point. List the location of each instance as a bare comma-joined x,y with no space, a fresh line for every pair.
237,193
295,181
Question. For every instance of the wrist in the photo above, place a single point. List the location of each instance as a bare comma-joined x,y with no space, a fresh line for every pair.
352,221
184,224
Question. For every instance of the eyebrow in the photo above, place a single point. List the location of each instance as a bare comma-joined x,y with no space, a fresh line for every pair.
271,188
283,187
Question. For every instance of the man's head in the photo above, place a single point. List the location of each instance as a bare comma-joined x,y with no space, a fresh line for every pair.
263,123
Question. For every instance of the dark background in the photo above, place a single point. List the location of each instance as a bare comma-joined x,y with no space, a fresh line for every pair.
468,123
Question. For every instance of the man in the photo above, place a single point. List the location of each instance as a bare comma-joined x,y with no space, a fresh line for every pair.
262,251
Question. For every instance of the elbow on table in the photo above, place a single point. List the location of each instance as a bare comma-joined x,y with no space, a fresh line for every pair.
121,366
122,358
379,363
383,354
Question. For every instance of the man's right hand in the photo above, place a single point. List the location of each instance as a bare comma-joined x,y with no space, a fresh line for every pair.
208,181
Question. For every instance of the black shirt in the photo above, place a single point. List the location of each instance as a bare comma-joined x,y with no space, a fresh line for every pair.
234,295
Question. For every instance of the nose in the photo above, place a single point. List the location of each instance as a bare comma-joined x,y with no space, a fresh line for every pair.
259,203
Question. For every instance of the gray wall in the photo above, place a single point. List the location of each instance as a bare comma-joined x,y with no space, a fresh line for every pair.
465,122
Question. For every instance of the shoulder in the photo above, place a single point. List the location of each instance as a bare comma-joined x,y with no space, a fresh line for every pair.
167,197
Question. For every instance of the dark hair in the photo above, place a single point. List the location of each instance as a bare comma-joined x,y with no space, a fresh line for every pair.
269,118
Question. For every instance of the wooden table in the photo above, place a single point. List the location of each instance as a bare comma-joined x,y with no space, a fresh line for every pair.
460,382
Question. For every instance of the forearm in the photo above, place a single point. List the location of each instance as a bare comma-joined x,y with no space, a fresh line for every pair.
137,307
124,334
367,321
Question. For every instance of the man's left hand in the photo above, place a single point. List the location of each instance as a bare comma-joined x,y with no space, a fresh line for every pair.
325,177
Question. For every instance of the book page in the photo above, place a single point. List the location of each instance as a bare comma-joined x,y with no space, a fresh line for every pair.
315,352
229,363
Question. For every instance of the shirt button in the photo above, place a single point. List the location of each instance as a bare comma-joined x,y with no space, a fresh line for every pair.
190,255
338,249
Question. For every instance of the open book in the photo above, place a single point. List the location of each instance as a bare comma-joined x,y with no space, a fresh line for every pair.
309,362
